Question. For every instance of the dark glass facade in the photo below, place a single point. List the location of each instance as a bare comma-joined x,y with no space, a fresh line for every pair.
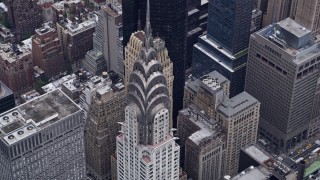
207,58
7,100
224,48
229,23
168,20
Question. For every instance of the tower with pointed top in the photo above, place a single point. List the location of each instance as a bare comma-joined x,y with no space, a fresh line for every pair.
146,148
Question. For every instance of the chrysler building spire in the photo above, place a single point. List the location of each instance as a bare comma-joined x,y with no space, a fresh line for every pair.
148,30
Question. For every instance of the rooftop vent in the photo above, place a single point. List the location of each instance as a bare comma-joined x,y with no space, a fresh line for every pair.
11,136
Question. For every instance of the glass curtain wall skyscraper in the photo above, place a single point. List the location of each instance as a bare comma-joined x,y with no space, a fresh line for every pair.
224,48
168,20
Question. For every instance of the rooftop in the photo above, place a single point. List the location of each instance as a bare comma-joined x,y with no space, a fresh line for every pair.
253,173
209,128
60,5
12,52
237,104
35,115
76,28
257,154
46,28
292,38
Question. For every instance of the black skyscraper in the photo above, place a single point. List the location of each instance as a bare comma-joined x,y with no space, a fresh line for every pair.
224,48
168,19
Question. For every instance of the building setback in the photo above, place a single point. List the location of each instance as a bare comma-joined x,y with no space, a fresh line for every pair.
224,47
238,116
283,71
102,127
43,139
205,142
169,20
17,68
47,51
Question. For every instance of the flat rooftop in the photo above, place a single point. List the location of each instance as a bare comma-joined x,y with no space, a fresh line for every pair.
237,104
292,38
60,5
209,128
253,173
257,154
35,115
293,27
13,52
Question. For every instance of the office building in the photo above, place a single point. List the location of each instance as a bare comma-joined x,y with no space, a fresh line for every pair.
47,51
94,62
107,53
25,16
169,20
146,148
239,115
17,68
307,14
77,39
283,71
90,89
196,25
256,20
224,47
314,127
132,55
7,100
205,142
43,139
102,127
278,10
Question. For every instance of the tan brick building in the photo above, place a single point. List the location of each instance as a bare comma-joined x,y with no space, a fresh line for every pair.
16,68
47,51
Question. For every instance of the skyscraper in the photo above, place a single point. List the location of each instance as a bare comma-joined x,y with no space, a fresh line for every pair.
132,53
146,148
43,139
283,71
224,48
106,110
238,116
169,22
205,142
278,10
308,14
